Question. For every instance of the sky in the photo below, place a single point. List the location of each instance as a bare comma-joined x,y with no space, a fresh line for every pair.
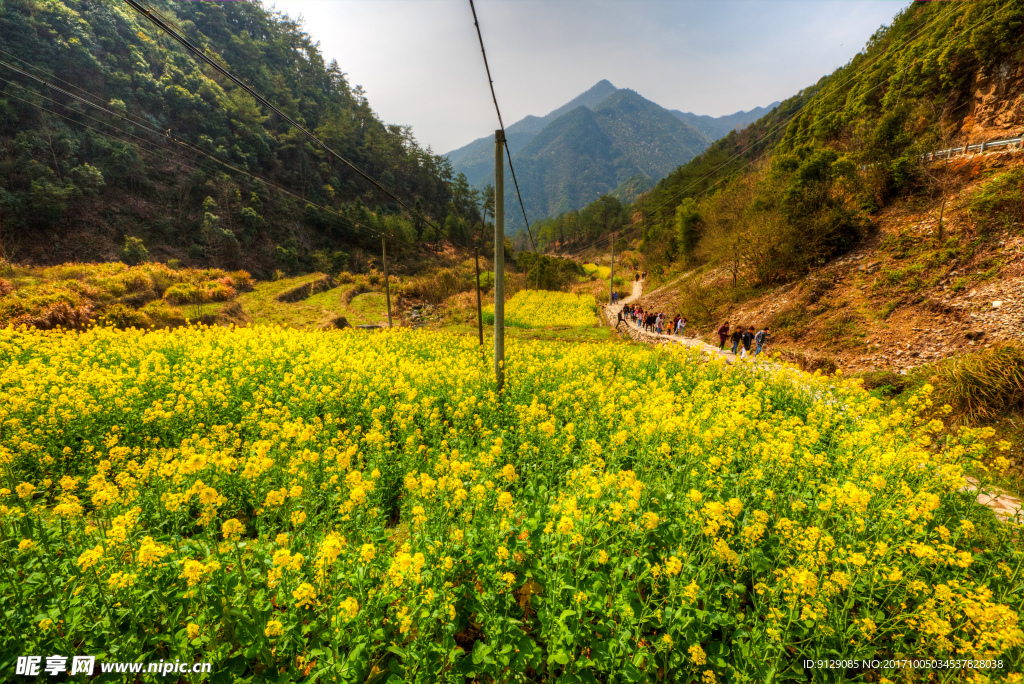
420,64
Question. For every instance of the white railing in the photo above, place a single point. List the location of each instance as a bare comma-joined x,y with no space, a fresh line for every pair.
980,147
977,147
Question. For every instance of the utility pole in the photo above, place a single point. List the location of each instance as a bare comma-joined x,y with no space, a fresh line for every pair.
479,307
611,277
499,260
387,285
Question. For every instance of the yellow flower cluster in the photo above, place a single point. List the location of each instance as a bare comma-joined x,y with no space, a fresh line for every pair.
610,514
545,309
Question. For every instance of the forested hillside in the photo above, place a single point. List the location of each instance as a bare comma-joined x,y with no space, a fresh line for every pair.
76,181
804,183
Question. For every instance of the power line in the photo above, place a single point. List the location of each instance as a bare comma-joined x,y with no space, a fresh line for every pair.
501,123
160,22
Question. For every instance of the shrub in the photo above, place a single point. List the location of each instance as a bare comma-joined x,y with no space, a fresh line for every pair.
242,281
184,293
121,316
162,315
134,251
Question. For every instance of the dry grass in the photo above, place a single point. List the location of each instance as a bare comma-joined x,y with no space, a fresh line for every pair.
984,386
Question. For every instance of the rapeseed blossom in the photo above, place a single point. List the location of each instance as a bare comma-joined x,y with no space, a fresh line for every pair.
357,493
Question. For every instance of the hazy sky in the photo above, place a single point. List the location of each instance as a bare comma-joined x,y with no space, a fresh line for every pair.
420,64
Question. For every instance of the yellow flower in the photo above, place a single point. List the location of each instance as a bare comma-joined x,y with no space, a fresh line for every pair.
349,608
150,552
274,628
25,490
505,501
502,553
367,553
89,558
602,556
304,595
650,520
697,655
565,525
193,630
298,517
673,566
232,529
695,496
26,545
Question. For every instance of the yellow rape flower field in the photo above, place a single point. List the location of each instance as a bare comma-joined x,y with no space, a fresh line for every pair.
543,308
351,507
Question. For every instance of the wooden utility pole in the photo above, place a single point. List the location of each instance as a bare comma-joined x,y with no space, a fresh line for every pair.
387,285
479,307
499,260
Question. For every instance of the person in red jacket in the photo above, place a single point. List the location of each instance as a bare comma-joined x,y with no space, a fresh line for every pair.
723,335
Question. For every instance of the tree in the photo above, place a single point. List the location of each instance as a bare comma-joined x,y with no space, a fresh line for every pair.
134,251
687,227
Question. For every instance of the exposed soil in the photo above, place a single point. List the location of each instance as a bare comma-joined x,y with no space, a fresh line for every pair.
871,310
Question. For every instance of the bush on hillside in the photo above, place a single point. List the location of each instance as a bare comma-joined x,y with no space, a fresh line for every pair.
134,251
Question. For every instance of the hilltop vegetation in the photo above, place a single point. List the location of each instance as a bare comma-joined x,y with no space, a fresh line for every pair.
69,192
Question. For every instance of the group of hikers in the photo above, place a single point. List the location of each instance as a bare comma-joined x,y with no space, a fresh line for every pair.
651,321
658,322
743,338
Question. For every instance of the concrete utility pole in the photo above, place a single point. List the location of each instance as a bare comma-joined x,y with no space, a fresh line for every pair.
611,276
387,285
499,260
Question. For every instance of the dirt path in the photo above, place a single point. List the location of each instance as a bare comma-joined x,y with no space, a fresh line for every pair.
1006,507
611,312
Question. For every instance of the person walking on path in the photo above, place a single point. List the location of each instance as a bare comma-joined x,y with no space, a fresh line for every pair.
745,340
681,326
723,335
737,334
622,318
759,339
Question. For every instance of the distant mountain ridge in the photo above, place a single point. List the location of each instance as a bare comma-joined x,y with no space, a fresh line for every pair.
606,140
719,127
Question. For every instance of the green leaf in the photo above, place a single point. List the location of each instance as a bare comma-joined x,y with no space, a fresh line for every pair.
480,651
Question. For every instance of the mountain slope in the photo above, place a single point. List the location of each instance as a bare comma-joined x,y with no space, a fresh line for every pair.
476,160
74,182
645,139
648,135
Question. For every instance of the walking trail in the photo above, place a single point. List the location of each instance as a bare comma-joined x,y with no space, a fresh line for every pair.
1006,507
611,312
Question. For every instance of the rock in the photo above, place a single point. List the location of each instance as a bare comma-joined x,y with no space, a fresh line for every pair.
338,322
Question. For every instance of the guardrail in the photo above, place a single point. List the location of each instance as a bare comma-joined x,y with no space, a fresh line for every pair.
977,147
980,147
